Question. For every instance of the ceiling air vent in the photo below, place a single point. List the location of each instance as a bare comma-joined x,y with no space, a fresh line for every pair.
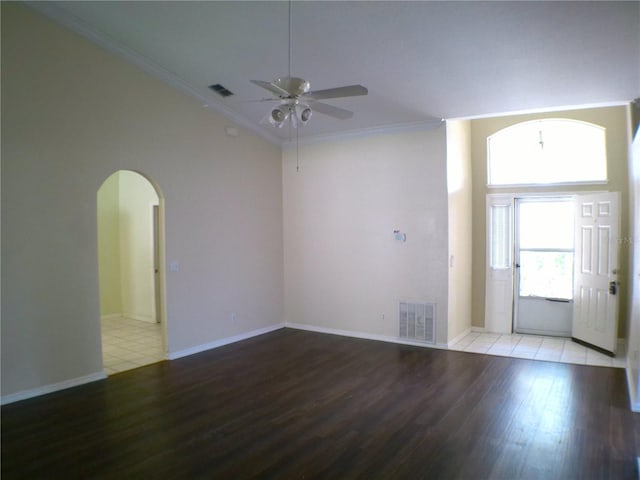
220,90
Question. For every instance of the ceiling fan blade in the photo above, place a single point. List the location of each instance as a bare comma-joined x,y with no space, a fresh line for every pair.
338,92
331,111
258,100
275,89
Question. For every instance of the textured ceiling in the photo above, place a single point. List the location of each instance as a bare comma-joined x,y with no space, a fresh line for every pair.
421,61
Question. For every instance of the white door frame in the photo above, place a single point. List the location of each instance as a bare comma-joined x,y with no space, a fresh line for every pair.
499,283
554,310
160,278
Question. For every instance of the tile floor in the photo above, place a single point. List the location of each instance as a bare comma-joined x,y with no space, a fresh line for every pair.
554,349
128,344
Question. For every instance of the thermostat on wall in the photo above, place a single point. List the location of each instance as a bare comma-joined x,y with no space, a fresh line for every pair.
399,237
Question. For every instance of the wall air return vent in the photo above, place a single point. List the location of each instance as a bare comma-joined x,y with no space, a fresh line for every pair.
220,90
417,321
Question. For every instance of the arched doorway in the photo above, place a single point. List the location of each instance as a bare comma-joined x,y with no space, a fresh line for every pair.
130,251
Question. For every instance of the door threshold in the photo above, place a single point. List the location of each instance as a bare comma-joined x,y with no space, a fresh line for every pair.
542,333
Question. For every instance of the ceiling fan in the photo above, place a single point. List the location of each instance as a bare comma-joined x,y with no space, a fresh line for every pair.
297,102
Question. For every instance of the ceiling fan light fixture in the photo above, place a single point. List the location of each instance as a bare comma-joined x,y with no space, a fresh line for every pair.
305,114
300,115
279,116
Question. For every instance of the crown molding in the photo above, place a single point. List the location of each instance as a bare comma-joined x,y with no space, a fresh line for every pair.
535,111
365,132
73,23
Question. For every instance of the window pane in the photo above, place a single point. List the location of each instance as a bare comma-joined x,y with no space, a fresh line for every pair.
547,151
546,224
546,274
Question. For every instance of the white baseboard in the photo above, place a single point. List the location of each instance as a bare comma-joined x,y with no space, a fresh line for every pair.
223,341
132,316
364,335
479,329
632,384
141,318
23,395
621,348
54,387
460,337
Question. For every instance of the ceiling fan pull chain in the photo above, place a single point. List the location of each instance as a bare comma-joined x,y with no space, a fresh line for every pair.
297,151
290,42
297,103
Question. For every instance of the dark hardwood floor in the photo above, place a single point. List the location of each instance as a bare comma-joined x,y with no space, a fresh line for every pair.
294,404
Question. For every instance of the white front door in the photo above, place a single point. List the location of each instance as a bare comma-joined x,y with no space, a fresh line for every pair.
595,310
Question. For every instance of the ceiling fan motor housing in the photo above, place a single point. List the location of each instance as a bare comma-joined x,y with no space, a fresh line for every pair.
294,85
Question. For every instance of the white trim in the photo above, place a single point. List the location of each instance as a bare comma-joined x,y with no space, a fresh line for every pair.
632,385
459,337
54,387
479,330
533,111
366,336
223,341
621,347
365,132
140,318
130,316
551,194
507,186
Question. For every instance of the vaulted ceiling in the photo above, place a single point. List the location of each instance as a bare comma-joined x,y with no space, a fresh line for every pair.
421,61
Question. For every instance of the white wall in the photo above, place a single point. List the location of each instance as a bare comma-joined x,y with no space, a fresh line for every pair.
73,114
343,269
459,189
109,246
137,198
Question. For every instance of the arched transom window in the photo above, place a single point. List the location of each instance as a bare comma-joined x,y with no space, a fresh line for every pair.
549,151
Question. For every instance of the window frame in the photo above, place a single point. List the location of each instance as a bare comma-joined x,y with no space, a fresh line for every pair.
549,184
